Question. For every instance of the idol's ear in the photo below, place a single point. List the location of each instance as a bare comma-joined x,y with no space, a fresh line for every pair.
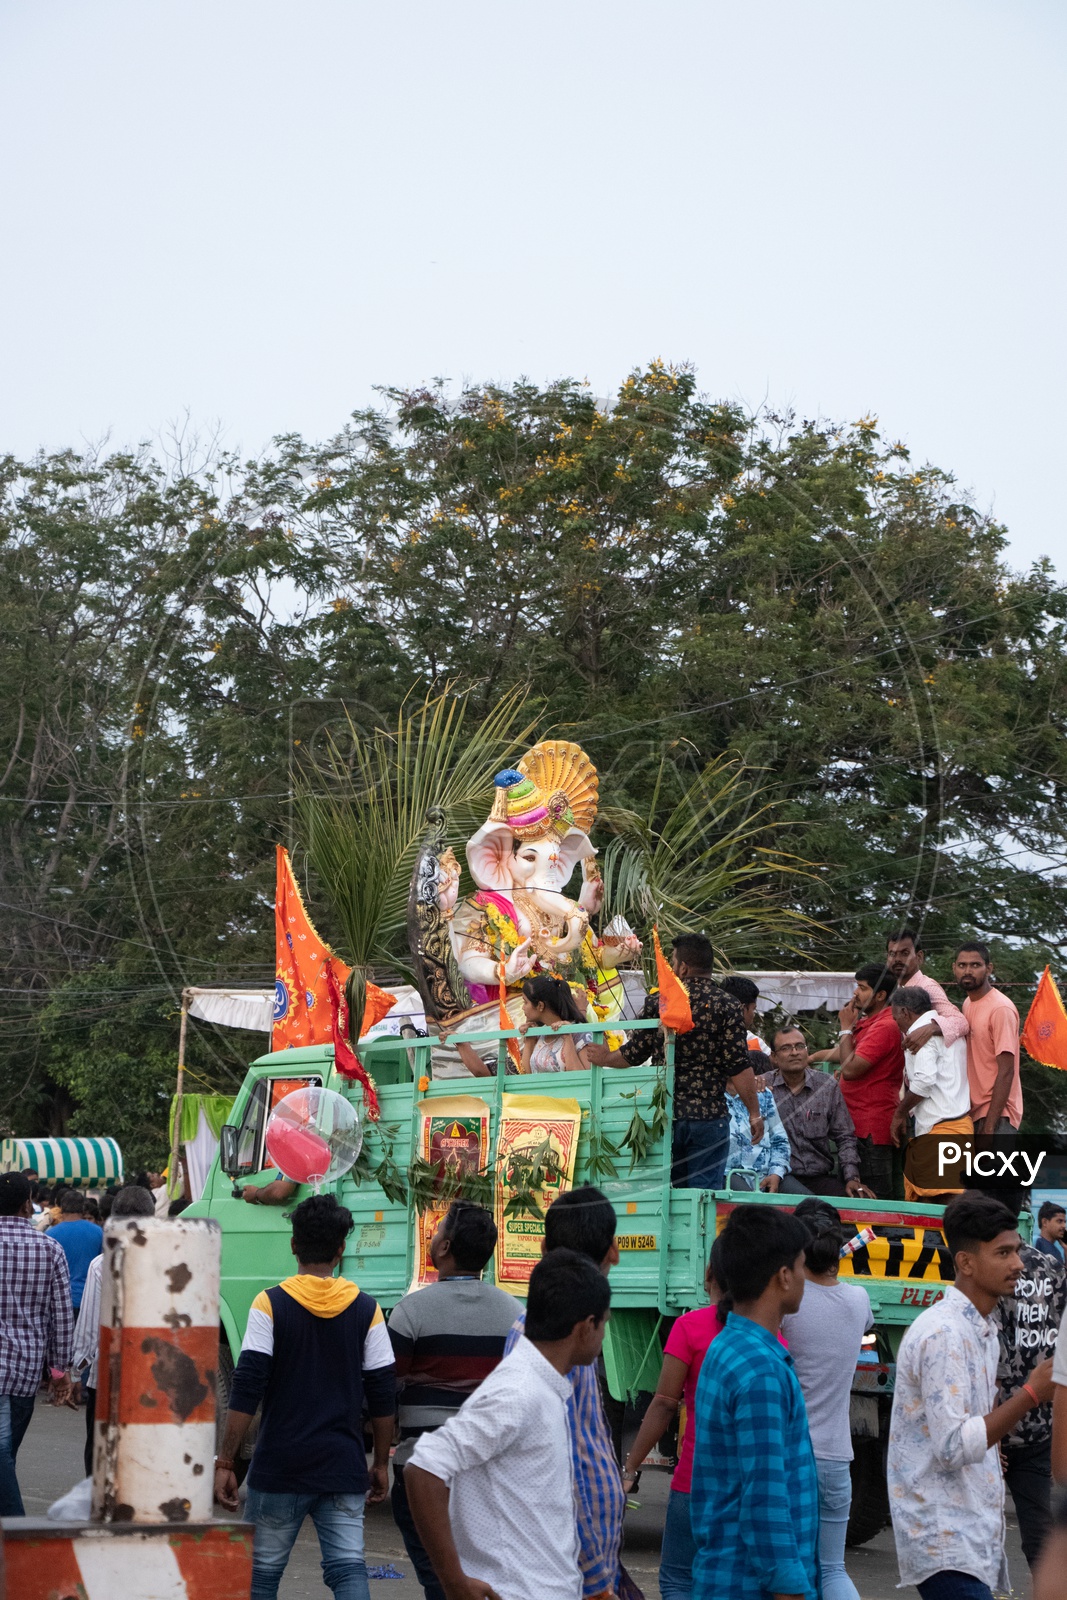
574,848
489,854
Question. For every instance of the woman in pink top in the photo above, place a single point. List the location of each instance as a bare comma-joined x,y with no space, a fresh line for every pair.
683,1356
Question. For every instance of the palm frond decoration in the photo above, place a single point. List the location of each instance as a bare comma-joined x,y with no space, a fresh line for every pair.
362,812
706,864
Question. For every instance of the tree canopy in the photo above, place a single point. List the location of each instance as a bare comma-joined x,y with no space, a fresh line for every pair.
671,581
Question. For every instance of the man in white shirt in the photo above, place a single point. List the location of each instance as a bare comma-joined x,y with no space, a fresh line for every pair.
946,1488
936,1091
935,1075
492,1491
130,1201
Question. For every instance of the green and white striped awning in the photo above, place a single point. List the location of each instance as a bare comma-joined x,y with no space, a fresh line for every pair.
89,1161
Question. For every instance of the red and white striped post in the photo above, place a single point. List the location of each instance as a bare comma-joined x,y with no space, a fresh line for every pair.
153,1536
120,1561
154,1447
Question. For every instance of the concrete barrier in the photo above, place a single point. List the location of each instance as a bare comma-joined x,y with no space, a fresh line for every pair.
154,1445
153,1536
118,1561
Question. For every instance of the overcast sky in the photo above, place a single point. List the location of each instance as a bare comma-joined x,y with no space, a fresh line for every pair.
256,211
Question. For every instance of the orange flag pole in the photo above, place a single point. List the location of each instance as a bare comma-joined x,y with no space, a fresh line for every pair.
1044,1035
674,1008
309,990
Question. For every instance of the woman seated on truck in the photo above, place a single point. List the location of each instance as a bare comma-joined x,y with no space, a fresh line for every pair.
548,1003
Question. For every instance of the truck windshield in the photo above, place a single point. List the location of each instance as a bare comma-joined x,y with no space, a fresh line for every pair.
251,1140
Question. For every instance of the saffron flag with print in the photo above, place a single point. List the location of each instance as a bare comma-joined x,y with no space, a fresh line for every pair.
309,986
1045,1030
674,1011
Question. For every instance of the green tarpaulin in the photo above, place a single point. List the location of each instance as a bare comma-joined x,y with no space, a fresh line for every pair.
216,1108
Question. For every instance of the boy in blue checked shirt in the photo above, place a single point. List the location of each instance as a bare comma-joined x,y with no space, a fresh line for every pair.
755,1497
583,1220
769,1160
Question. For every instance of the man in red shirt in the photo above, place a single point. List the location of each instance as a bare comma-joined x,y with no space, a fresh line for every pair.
872,1072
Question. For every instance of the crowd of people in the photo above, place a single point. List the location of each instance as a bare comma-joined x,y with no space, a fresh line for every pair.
506,1484
484,1418
51,1241
906,1061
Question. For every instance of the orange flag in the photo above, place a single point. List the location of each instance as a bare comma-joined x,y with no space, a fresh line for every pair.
674,1009
309,986
1045,1030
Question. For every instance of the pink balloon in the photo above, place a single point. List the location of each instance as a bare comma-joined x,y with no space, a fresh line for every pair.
298,1153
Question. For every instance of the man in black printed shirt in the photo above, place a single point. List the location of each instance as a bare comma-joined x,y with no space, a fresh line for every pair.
715,1052
1028,1322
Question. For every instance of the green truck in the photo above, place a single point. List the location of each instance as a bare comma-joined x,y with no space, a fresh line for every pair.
665,1233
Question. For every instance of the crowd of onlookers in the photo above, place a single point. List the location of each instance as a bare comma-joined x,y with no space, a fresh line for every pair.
906,1061
51,1239
506,1482
505,1477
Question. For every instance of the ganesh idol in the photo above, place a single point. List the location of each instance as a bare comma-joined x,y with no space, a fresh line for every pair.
520,919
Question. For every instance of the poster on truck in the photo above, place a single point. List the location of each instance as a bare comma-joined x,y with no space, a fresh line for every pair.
536,1149
453,1133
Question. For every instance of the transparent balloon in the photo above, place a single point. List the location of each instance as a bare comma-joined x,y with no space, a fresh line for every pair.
314,1136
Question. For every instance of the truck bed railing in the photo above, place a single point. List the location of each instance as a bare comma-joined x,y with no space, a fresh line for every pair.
501,1036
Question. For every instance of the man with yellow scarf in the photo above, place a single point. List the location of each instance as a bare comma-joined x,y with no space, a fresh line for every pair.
315,1349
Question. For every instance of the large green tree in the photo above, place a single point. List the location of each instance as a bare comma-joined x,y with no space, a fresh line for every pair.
671,580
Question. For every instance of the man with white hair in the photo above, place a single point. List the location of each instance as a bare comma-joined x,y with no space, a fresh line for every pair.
936,1092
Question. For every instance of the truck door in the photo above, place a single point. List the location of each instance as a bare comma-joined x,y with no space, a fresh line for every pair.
255,1238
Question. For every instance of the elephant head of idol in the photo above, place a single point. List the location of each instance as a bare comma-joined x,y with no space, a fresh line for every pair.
538,829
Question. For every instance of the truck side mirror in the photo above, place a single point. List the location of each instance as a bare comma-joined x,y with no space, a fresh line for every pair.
228,1159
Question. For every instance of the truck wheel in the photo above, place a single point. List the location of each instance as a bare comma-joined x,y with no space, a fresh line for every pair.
870,1497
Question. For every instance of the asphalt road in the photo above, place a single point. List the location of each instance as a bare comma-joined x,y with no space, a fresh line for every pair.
50,1463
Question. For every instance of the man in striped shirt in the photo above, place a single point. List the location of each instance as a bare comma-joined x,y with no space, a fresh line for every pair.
583,1220
36,1325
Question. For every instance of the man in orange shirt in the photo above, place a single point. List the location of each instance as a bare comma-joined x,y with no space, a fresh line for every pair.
872,1072
992,1044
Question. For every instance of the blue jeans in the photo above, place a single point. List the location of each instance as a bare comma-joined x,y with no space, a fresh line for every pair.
15,1413
698,1153
835,1502
677,1550
431,1586
954,1586
338,1520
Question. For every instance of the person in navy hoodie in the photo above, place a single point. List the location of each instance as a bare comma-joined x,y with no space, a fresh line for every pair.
316,1350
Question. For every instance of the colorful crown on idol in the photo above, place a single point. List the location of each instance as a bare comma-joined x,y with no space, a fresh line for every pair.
552,790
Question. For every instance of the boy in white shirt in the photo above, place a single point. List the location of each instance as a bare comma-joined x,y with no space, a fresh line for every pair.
492,1490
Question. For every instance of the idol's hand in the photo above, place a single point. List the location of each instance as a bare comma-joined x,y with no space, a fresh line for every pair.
519,963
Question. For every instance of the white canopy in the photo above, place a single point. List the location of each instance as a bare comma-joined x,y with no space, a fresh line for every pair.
802,991
254,1008
793,991
233,1008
